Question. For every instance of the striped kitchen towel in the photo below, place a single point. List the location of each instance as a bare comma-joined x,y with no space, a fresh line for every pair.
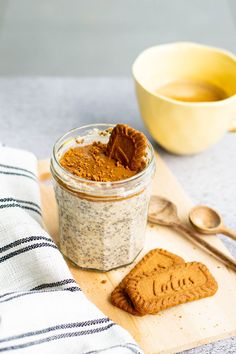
42,309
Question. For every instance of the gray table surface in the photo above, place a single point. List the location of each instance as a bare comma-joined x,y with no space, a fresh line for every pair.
34,112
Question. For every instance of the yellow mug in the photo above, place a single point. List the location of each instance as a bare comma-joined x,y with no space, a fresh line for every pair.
178,126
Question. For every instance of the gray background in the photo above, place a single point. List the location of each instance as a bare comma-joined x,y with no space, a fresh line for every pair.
102,37
64,63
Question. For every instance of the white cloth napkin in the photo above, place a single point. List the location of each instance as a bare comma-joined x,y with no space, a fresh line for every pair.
42,309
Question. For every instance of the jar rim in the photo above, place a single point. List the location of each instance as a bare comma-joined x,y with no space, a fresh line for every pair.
59,143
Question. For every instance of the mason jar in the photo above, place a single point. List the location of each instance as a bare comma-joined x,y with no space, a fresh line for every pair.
101,224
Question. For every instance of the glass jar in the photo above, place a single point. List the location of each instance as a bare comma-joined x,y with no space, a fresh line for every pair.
101,224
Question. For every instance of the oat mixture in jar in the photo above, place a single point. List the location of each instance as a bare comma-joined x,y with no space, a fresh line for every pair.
102,181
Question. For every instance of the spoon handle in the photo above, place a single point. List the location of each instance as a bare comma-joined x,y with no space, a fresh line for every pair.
228,232
228,261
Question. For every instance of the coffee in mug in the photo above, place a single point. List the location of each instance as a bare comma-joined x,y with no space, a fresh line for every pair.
192,91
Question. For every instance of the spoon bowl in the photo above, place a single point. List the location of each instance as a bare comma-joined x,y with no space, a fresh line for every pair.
162,211
205,219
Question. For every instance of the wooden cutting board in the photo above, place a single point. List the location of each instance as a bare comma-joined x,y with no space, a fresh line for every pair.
184,326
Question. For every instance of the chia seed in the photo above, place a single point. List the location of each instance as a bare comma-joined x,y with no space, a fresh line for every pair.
101,235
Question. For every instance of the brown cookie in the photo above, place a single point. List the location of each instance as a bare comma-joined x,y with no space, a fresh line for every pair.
128,146
151,293
155,260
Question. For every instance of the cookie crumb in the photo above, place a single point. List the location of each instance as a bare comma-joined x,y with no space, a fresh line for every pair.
79,141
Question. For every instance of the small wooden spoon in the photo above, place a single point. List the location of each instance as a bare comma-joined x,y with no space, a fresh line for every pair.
207,221
164,212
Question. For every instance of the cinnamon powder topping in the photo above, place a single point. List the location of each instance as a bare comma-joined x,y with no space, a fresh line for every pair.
121,158
91,162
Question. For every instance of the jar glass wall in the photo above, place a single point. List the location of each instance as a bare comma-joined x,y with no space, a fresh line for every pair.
101,224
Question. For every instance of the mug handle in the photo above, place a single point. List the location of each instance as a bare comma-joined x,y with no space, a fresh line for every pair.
232,129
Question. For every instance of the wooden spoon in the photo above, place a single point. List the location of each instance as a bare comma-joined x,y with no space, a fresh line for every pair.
207,221
164,212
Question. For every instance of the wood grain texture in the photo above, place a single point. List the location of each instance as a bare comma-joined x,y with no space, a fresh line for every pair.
189,325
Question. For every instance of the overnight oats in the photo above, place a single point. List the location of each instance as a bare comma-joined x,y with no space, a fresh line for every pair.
102,181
